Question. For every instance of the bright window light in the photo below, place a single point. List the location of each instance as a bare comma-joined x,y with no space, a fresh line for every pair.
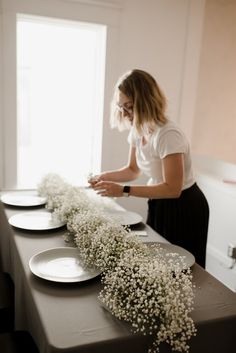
60,94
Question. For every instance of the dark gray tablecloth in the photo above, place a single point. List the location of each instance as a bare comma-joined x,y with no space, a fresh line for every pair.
69,318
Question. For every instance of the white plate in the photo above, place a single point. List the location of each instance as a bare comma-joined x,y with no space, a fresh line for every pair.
23,199
125,218
189,259
35,221
61,265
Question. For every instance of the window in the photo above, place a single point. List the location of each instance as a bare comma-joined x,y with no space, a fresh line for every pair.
60,94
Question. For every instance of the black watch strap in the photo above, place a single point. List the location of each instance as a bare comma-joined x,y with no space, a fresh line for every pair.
126,190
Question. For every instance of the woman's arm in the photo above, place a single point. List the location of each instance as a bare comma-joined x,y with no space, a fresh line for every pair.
172,169
128,173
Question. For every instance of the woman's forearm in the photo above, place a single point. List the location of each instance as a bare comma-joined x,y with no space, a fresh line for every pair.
157,191
119,175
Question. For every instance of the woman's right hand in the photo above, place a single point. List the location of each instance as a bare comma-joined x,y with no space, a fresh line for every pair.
94,179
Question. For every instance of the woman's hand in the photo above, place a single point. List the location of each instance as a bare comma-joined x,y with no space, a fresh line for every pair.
108,188
94,179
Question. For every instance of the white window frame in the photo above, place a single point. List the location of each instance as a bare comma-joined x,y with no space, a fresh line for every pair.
94,13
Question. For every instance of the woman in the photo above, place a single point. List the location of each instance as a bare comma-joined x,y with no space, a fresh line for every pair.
177,208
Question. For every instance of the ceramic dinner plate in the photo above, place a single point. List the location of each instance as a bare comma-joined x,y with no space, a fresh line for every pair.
23,199
35,221
61,265
189,259
125,218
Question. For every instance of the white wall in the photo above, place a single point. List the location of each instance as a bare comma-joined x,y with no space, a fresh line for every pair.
214,130
221,197
72,10
158,36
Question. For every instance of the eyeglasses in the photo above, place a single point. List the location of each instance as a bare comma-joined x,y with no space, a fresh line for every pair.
123,108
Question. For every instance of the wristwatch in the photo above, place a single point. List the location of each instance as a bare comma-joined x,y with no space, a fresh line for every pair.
126,190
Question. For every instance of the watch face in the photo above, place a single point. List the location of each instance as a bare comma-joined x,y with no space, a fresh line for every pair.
126,190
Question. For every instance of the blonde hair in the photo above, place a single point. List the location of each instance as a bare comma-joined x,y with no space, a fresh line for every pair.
149,103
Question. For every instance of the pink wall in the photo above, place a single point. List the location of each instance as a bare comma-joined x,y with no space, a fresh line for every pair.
214,128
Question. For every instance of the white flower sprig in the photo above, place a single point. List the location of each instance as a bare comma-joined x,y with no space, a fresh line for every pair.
142,285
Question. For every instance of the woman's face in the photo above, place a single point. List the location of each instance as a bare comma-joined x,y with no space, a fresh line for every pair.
125,106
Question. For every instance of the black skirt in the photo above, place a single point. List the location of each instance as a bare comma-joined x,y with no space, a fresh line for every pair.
182,221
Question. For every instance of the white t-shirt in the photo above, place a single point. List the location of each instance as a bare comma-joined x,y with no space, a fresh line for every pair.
165,140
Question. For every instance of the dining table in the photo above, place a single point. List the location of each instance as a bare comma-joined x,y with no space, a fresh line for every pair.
69,317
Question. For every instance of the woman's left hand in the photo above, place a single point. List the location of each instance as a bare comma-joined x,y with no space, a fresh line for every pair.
108,188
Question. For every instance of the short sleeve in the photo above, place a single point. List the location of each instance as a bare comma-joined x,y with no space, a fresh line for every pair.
131,138
171,141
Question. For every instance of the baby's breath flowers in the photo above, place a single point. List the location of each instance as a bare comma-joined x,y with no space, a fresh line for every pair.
144,291
53,187
142,285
